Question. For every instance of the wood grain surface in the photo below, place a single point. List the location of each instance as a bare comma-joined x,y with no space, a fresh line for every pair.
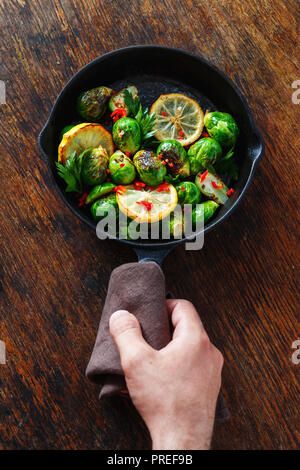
54,271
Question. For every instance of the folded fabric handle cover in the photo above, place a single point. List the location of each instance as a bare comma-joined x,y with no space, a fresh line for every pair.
140,289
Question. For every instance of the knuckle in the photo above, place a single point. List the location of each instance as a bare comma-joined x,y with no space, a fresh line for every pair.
205,341
186,303
200,341
130,362
219,358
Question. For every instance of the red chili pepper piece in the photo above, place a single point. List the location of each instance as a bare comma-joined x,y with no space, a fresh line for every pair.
119,189
122,164
181,132
164,114
230,192
159,156
127,154
202,177
82,199
151,188
216,186
171,165
182,189
108,171
180,137
164,163
146,204
118,113
204,134
163,187
138,185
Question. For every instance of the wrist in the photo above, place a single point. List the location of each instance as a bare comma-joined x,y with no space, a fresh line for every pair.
182,440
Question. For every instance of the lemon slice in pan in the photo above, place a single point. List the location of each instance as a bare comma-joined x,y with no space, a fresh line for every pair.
84,136
144,204
177,117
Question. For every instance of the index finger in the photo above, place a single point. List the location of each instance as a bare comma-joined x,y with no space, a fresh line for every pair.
184,316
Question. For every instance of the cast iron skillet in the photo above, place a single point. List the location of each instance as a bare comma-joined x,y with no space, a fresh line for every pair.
157,70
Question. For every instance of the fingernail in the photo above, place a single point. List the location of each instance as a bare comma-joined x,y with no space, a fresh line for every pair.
118,314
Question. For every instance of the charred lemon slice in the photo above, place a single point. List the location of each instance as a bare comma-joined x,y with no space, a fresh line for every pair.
84,136
144,204
177,117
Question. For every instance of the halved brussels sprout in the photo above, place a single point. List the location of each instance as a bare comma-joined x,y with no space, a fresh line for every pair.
117,101
203,154
212,187
176,225
149,167
94,166
103,206
188,193
92,104
222,127
204,212
99,191
122,170
174,155
127,135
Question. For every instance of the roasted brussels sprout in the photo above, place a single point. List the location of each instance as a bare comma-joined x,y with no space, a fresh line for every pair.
174,155
102,207
122,170
203,154
94,166
204,211
99,191
176,225
222,127
92,104
188,193
117,101
149,167
127,135
212,187
129,229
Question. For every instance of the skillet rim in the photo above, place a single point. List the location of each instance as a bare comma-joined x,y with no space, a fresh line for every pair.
255,131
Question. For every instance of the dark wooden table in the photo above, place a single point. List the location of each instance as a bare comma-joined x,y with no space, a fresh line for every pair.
54,271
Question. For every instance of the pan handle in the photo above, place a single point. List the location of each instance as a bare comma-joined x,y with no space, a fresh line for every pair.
157,255
140,289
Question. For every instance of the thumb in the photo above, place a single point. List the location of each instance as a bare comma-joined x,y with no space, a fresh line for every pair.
127,334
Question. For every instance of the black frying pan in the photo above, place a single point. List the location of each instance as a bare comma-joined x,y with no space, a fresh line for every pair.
157,70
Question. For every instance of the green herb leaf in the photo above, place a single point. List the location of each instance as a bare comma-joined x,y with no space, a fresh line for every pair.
146,122
133,104
71,173
142,116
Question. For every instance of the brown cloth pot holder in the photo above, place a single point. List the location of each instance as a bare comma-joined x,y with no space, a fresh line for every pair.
126,291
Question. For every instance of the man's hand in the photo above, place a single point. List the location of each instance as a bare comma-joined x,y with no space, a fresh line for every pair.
175,389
